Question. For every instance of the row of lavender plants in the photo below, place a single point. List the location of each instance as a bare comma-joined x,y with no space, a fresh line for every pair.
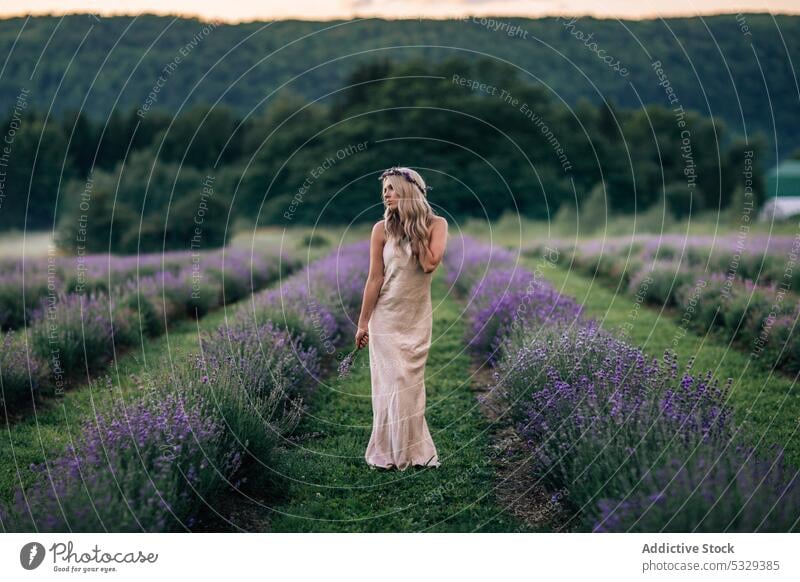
72,334
623,442
755,257
743,291
205,423
25,284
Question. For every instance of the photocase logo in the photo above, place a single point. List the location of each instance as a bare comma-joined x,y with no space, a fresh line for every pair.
31,555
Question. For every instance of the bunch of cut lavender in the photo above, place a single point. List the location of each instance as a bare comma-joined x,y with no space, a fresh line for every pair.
347,363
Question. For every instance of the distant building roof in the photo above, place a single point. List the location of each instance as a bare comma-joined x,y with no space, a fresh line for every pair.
784,179
780,208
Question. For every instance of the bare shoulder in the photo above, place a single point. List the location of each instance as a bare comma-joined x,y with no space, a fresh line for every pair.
440,222
378,230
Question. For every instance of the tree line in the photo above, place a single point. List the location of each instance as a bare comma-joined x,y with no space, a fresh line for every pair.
486,138
740,68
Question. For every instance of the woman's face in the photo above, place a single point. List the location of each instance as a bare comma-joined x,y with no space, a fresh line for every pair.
390,197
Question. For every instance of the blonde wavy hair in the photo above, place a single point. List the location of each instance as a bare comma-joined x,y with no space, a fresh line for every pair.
413,216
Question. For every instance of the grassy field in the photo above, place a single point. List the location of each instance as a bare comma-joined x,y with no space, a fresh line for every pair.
16,244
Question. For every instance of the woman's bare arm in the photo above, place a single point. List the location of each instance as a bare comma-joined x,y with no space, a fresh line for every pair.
375,278
436,245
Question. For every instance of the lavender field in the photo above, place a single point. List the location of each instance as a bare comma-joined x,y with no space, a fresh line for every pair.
65,318
196,428
249,428
621,440
740,288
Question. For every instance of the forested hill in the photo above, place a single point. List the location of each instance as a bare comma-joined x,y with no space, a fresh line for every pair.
743,69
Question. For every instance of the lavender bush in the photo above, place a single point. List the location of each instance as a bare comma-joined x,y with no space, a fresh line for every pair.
318,304
293,308
223,276
337,282
19,295
468,260
156,464
75,332
733,489
266,358
659,283
597,414
509,298
21,375
147,467
257,418
782,346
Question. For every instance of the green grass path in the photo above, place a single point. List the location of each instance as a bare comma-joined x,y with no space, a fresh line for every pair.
767,404
331,488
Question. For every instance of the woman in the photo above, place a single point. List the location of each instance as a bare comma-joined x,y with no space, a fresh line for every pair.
396,320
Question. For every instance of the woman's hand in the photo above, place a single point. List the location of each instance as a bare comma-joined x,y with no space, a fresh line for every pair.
362,337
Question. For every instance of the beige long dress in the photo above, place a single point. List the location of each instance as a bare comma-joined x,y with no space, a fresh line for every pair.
399,339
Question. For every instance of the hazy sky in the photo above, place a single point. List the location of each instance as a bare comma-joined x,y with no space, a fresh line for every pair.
238,10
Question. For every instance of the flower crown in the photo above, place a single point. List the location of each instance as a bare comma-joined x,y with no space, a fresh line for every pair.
396,171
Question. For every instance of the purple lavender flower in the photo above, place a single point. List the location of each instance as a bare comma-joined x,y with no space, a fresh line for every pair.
347,363
146,467
716,489
21,375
